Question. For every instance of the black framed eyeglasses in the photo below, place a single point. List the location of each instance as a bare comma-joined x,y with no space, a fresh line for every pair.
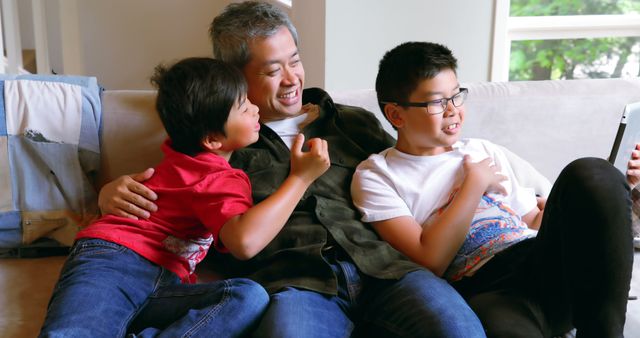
436,106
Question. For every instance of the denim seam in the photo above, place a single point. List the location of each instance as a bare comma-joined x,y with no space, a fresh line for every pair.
108,247
209,315
158,284
352,281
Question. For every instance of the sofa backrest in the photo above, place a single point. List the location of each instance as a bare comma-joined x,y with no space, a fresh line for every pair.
548,123
131,133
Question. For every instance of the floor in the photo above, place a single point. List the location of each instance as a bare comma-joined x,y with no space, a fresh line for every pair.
22,310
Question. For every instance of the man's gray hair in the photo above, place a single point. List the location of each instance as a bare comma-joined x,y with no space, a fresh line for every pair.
240,23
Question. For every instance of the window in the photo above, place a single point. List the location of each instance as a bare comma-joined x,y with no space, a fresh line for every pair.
565,39
286,2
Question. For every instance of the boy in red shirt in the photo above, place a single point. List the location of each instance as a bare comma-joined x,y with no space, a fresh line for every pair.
118,265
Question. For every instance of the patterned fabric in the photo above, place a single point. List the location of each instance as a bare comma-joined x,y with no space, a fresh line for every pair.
494,228
49,158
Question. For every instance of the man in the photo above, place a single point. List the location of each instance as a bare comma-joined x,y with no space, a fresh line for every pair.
327,272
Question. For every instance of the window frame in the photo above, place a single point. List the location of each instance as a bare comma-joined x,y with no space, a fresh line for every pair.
508,28
286,3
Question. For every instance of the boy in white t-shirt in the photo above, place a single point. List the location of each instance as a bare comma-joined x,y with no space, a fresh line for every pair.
455,206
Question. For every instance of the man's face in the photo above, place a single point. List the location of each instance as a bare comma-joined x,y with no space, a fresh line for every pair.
275,76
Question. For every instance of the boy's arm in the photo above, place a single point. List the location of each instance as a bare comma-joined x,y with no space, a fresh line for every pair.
435,245
247,234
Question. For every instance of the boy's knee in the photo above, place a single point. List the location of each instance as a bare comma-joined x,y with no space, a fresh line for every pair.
588,166
250,291
594,174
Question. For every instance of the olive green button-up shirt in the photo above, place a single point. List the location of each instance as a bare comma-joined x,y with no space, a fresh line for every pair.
325,215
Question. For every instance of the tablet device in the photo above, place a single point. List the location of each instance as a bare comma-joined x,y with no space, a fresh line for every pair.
627,137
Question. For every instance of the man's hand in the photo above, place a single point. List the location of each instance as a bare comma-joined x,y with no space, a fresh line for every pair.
633,172
127,197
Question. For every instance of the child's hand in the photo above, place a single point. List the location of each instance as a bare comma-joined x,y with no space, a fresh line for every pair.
633,172
311,164
485,173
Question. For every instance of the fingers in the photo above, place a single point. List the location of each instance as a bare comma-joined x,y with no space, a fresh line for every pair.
127,203
487,173
633,171
501,188
633,177
122,208
125,209
501,177
131,209
486,163
319,148
634,162
126,197
296,147
316,146
541,202
143,176
325,152
140,190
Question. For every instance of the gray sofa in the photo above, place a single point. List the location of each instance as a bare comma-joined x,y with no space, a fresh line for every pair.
547,123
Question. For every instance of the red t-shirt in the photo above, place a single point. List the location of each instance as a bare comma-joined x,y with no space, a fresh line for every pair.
196,197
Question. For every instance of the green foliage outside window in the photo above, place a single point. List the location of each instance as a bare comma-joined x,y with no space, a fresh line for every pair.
563,59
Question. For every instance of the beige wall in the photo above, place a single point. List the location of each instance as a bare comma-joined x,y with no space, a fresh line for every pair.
121,41
341,41
310,21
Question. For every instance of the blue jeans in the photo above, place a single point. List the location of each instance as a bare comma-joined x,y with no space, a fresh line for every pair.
103,286
418,305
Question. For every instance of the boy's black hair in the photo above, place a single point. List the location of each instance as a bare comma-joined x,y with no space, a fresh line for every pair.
194,98
403,68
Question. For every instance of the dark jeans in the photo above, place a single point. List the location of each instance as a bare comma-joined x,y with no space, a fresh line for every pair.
575,273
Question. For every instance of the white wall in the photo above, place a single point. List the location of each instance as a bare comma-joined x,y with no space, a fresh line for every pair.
341,41
358,32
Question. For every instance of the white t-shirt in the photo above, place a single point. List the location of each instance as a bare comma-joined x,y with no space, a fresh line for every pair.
289,128
393,184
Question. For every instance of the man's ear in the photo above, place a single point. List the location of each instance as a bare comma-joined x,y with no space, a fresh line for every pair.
393,112
212,142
